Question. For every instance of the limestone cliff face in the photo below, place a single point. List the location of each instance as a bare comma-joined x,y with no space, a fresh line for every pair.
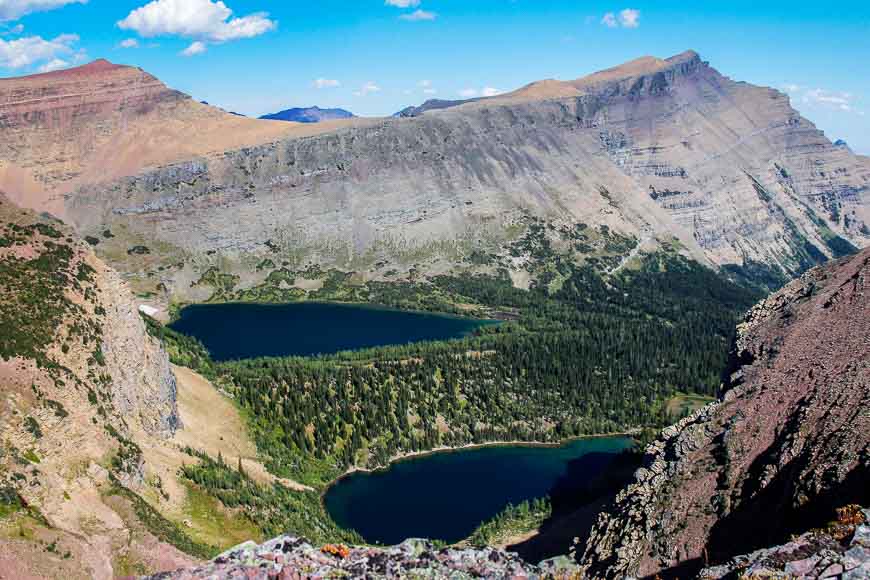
656,148
788,444
143,385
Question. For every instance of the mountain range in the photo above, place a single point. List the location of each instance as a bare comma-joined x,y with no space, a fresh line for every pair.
309,115
656,149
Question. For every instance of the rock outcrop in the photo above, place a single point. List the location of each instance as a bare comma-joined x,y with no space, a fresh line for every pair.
294,558
841,551
788,444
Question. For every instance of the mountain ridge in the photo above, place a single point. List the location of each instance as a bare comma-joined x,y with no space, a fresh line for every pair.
787,444
759,190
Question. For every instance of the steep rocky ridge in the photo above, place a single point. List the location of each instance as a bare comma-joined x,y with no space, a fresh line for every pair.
81,382
95,423
788,444
654,149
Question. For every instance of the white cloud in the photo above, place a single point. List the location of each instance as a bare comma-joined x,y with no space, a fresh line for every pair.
470,93
366,89
53,65
195,48
9,31
30,50
427,88
325,83
129,43
200,20
419,15
402,3
15,9
831,99
627,18
836,100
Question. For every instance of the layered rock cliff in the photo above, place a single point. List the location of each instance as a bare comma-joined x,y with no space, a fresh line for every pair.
654,149
788,444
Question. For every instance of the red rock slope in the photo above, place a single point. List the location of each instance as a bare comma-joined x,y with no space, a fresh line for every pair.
102,121
789,443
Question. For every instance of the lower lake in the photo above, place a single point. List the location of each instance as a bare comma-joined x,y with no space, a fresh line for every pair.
237,331
446,495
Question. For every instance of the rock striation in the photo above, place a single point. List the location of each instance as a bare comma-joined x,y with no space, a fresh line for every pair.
656,148
787,445
294,558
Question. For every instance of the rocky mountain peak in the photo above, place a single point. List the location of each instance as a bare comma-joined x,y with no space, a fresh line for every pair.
631,73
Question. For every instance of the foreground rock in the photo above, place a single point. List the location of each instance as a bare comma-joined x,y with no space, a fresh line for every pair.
289,558
817,554
788,445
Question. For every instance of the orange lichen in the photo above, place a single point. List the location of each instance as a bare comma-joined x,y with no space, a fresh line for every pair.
337,550
850,515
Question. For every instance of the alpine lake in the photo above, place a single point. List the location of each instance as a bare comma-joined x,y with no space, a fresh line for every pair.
441,495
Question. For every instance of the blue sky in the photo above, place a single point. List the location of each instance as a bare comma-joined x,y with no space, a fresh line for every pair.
377,56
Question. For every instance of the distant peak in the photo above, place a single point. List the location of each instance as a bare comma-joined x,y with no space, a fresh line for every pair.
313,114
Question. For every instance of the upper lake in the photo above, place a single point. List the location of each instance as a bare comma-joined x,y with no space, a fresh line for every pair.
237,331
446,495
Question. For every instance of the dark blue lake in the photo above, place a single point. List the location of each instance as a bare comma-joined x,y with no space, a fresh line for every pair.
447,495
236,331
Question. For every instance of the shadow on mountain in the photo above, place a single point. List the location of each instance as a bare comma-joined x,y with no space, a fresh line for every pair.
577,501
768,517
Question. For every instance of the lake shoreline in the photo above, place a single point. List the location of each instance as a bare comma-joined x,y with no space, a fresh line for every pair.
233,331
410,455
498,316
385,508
